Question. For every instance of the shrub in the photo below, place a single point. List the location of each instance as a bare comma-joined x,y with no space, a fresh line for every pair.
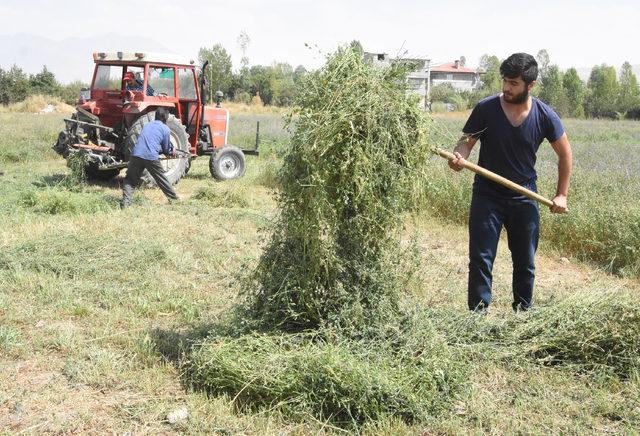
458,102
443,92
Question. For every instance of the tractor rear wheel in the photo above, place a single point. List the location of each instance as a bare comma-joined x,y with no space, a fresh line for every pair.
174,168
227,163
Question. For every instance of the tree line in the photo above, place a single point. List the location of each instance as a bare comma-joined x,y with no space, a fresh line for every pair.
273,84
270,84
16,85
606,94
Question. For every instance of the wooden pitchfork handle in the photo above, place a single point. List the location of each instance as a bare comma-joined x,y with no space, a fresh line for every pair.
498,179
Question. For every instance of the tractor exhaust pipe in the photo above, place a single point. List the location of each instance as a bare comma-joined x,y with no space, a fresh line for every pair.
203,90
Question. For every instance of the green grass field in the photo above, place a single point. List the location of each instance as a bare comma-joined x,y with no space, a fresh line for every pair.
96,303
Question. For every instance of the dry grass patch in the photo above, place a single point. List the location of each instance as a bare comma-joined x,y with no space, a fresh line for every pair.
35,104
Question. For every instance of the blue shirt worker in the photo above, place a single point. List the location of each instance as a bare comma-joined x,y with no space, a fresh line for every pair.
153,140
510,126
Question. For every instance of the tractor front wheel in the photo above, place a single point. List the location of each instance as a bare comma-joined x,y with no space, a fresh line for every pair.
227,163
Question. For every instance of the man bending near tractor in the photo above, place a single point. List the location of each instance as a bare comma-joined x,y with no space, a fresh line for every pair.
510,126
153,139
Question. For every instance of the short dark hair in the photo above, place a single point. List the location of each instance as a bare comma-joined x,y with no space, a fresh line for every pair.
162,114
520,65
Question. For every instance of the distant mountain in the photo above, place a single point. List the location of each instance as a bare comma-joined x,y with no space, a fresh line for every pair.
70,59
584,73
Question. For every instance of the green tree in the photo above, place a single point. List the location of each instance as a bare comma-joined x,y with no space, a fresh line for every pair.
491,79
553,93
544,62
629,95
261,83
44,83
14,85
282,84
70,92
219,71
603,92
299,73
442,92
575,91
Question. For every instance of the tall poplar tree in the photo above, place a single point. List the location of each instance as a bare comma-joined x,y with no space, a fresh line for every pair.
629,95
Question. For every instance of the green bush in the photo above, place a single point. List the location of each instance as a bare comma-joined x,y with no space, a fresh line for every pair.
459,102
443,92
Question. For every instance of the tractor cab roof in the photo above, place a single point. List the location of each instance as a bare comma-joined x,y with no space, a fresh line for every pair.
141,58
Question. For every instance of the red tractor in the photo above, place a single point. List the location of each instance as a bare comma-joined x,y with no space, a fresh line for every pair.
126,89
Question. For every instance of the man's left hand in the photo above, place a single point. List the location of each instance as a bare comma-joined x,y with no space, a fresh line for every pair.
559,204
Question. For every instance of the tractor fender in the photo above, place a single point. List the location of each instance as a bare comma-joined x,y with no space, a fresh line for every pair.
217,118
139,107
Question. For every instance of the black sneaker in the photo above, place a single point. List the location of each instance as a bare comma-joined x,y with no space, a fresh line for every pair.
480,309
519,307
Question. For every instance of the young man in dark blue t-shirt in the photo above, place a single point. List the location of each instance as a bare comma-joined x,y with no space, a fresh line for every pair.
510,126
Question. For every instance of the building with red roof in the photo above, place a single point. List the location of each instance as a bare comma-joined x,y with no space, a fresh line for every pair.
455,74
424,75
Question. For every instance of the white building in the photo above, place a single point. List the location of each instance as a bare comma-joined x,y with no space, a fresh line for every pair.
458,76
424,75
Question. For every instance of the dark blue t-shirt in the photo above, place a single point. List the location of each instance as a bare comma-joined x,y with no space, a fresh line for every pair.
507,150
153,139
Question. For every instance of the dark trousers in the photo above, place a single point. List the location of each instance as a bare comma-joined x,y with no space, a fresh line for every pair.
521,220
135,168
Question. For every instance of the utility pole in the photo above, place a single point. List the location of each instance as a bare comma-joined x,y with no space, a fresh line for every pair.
427,100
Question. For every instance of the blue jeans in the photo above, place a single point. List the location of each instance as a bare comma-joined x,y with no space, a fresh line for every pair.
521,220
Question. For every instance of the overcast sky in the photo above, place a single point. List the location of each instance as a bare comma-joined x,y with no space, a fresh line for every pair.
575,33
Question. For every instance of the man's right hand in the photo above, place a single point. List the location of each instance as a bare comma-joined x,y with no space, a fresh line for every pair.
456,164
